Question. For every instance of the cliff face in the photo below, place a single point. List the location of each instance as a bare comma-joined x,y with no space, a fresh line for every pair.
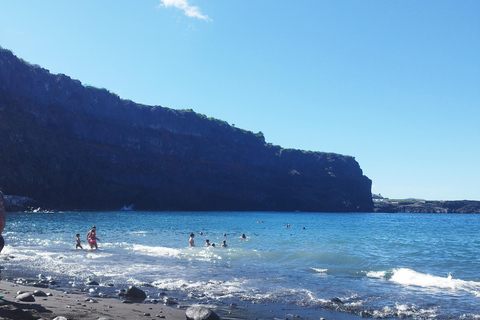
75,147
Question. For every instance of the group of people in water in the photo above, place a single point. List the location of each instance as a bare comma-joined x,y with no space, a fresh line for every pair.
92,236
91,239
191,241
208,244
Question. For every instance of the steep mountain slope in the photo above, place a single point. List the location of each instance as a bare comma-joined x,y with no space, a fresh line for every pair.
75,147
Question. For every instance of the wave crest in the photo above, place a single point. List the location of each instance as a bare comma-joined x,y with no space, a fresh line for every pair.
409,277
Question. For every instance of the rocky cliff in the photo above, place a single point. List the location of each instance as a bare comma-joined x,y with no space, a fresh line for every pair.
71,146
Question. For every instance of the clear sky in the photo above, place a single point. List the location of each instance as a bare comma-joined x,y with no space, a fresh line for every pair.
396,84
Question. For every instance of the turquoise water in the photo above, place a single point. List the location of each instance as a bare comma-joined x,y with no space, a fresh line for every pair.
384,265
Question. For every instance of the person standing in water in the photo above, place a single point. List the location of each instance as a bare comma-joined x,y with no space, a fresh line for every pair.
191,243
2,221
92,238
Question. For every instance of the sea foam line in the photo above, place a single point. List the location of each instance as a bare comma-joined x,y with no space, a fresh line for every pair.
409,277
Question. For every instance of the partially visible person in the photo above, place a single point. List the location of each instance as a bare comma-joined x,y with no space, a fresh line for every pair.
2,221
92,238
213,245
243,236
191,243
207,242
78,245
224,243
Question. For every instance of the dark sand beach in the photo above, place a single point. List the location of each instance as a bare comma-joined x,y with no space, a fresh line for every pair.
79,305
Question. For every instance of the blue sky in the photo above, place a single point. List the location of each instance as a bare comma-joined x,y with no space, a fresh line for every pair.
396,84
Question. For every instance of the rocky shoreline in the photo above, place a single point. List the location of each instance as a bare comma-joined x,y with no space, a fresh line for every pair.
27,302
460,206
14,203
43,298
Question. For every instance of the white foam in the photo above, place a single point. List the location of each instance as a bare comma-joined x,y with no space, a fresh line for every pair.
377,274
320,271
409,277
194,253
157,251
209,288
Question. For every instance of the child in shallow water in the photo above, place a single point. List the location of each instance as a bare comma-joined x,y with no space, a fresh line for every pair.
78,242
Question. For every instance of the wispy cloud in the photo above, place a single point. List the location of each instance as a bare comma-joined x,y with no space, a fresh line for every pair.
188,10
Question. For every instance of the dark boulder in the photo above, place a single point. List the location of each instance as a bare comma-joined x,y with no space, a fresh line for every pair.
169,302
337,300
39,293
40,285
135,295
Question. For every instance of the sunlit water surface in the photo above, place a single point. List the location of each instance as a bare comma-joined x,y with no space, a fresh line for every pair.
384,265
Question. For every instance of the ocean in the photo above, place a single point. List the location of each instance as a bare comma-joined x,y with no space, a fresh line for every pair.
378,265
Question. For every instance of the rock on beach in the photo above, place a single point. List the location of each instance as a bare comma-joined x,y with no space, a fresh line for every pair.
18,302
26,297
201,313
135,295
39,293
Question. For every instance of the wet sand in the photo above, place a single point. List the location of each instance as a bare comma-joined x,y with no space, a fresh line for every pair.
79,305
